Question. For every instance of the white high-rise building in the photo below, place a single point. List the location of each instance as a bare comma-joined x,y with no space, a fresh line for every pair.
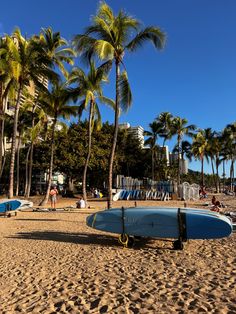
136,131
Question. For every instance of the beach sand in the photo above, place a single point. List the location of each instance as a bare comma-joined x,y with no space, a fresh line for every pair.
51,262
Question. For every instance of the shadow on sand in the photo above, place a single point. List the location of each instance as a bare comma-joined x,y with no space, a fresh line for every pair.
84,239
35,219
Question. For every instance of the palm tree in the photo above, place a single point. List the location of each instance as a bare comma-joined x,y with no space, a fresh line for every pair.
6,86
200,149
56,48
229,148
90,88
30,63
179,128
165,118
155,130
109,38
186,151
38,119
55,103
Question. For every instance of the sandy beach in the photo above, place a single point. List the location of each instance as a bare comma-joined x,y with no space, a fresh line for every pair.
51,262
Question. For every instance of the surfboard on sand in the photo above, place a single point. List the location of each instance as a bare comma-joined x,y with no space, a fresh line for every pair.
155,222
117,196
6,207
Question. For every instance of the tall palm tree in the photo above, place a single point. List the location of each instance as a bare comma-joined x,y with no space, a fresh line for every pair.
200,149
229,148
155,131
180,128
165,118
38,119
6,88
90,89
109,38
55,103
30,63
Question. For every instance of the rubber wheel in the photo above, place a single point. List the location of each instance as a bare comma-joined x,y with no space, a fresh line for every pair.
126,240
178,245
131,242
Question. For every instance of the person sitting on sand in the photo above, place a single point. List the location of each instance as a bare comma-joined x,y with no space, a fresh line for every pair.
215,204
80,203
203,193
53,197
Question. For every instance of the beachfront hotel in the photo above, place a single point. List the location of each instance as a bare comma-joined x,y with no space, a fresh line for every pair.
136,131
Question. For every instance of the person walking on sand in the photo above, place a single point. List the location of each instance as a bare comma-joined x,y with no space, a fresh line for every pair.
53,197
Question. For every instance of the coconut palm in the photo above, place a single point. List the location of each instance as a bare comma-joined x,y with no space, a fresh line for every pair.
55,103
30,63
229,148
155,131
180,128
90,89
38,118
6,88
109,37
56,48
200,149
165,118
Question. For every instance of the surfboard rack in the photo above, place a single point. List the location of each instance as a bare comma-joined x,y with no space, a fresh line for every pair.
125,239
178,244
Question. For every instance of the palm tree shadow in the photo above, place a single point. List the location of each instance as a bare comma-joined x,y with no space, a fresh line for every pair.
36,219
76,238
83,239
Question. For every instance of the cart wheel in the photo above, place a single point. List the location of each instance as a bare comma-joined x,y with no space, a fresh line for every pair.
126,240
178,245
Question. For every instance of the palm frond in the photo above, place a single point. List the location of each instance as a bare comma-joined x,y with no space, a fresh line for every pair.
107,101
152,34
104,49
124,91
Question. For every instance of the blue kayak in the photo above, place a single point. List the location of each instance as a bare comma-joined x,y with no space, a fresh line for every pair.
9,205
155,222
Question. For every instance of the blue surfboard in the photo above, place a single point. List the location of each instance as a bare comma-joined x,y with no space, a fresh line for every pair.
9,205
154,222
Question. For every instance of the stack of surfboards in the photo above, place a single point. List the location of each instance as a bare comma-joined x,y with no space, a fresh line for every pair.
7,207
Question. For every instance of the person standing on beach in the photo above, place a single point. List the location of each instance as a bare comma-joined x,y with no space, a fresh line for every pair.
53,197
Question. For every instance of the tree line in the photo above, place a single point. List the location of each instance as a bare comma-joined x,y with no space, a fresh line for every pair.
42,88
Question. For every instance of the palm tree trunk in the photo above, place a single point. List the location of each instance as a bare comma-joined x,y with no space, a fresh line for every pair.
178,179
30,164
202,170
89,151
18,165
232,175
213,172
153,164
13,146
112,155
223,175
2,113
27,171
1,144
217,175
45,200
30,169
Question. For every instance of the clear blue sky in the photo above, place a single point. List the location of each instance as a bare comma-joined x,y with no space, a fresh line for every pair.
194,77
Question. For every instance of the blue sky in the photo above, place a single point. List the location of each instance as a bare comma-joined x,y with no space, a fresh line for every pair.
194,77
